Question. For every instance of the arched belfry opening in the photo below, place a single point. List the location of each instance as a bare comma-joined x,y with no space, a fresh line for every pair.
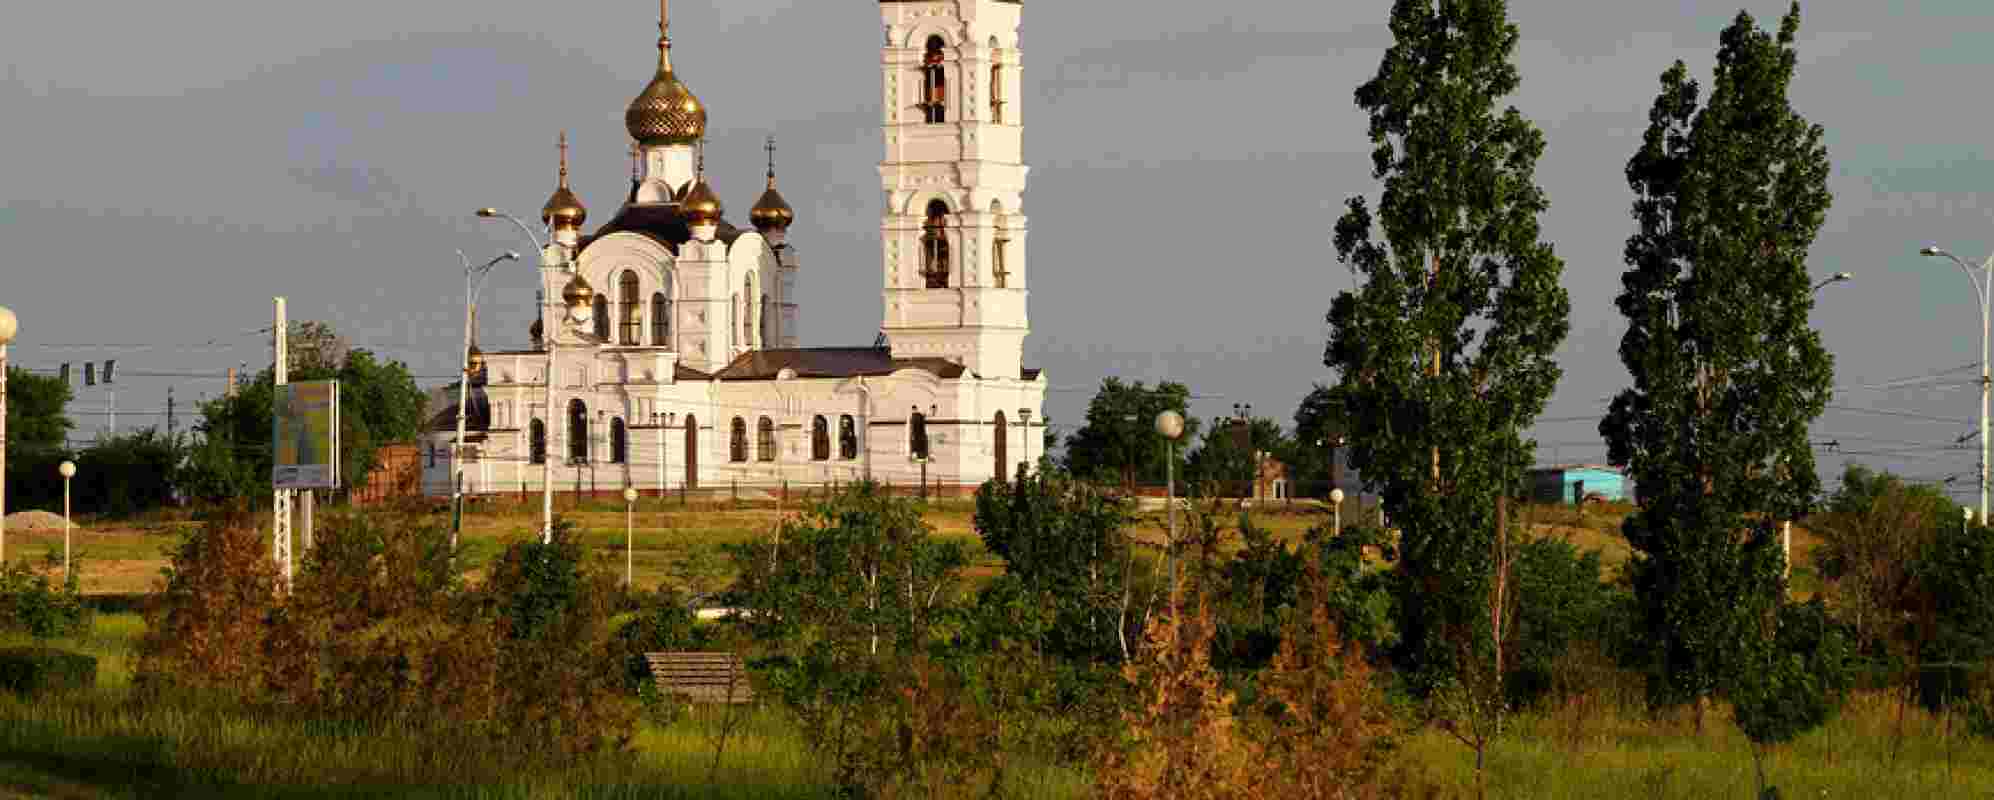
935,245
934,82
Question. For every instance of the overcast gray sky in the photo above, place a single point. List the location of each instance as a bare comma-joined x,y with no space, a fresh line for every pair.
168,168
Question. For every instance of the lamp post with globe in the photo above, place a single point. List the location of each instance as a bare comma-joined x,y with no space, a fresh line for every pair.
9,325
1170,425
1336,511
67,470
629,537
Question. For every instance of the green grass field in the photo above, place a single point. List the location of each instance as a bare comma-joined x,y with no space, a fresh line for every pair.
110,741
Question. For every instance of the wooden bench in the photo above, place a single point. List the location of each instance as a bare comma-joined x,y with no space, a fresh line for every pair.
701,677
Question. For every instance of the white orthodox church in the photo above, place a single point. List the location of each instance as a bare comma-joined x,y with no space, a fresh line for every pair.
675,334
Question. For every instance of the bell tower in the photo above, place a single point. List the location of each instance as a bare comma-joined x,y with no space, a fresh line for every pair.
954,177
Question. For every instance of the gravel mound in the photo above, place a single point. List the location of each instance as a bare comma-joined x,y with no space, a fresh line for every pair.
34,521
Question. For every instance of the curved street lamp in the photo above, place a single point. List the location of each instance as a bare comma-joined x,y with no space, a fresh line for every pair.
547,410
1984,287
474,285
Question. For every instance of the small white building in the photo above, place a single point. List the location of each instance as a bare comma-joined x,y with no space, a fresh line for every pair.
677,357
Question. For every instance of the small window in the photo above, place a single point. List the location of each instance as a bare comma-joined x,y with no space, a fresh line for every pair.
661,325
766,308
737,442
633,309
578,431
432,454
934,82
538,442
935,246
765,440
997,93
917,431
848,438
820,439
602,317
619,445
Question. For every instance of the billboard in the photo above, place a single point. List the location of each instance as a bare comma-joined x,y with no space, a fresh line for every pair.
306,436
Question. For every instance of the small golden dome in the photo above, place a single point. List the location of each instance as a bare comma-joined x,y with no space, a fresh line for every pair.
534,330
702,205
578,292
476,361
771,211
666,112
564,211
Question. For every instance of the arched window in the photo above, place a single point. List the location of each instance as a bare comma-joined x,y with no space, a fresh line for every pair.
765,440
917,436
737,442
601,317
578,431
935,245
537,442
748,311
848,438
632,307
820,439
432,454
996,91
661,325
734,315
765,317
1000,274
619,445
934,82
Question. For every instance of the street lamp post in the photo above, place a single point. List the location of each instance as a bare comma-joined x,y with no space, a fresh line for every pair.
547,339
1336,506
1984,287
9,325
1786,526
474,284
1170,425
67,470
629,537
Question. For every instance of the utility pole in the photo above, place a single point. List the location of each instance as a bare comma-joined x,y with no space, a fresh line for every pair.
280,550
169,412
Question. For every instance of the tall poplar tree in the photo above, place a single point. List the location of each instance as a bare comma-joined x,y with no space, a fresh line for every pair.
1444,352
1729,194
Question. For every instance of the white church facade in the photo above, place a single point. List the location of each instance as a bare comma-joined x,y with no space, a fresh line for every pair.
677,359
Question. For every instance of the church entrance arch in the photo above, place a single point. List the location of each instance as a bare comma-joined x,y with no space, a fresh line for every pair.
691,452
1003,434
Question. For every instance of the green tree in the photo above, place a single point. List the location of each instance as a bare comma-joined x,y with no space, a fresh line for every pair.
1066,586
129,473
1221,463
1120,436
379,404
37,431
1729,194
1320,432
1445,351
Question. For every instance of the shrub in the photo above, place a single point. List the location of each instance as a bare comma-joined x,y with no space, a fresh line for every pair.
32,670
1560,602
31,603
209,625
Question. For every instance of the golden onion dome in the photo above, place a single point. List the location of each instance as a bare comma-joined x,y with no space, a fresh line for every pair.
578,292
771,211
666,112
702,204
475,362
564,211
